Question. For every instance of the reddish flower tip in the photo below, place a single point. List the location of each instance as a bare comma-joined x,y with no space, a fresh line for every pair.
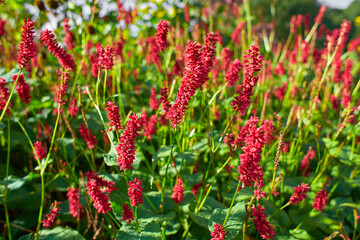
178,191
135,192
299,193
218,233
50,218
27,47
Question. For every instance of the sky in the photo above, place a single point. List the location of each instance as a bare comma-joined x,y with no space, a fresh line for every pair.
340,4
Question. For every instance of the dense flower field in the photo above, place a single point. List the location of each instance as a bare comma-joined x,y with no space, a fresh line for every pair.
177,121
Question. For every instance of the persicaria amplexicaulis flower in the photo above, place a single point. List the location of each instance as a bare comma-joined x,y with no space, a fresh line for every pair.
218,233
304,167
150,129
226,56
69,38
74,201
128,214
164,99
39,151
113,115
104,57
279,69
97,187
62,88
135,192
2,27
66,60
269,131
263,226
232,76
87,136
27,47
50,218
320,15
161,35
153,102
4,95
22,88
73,109
154,53
195,74
235,35
178,191
126,148
299,193
320,200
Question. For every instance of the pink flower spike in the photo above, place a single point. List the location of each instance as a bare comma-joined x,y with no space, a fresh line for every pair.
178,191
22,88
218,233
263,226
39,151
27,47
161,35
320,200
128,214
87,136
4,95
299,193
74,201
113,115
50,218
135,192
126,148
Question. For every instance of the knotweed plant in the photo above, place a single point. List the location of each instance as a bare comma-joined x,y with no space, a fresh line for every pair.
177,121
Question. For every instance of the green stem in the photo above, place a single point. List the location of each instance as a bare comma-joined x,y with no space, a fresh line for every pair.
232,204
9,98
104,93
7,181
248,21
97,87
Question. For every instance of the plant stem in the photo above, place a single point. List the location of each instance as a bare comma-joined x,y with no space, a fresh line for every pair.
232,204
9,98
7,181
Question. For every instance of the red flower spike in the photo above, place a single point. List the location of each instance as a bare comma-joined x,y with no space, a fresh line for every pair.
150,129
87,136
96,188
73,109
232,76
161,35
4,95
74,201
320,200
320,15
39,151
153,102
135,192
65,60
218,233
128,214
126,148
22,88
263,226
50,218
178,191
112,111
299,193
27,47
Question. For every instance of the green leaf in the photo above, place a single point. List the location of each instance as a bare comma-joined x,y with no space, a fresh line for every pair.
301,234
58,232
332,146
110,158
9,75
148,216
150,231
235,221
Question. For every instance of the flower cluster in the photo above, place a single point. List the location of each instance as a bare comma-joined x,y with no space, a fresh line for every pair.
126,148
128,214
27,47
299,193
251,64
89,138
320,15
22,88
73,109
226,56
74,201
249,169
104,57
178,191
218,233
62,88
96,188
112,111
151,127
135,192
320,200
195,74
66,60
232,76
39,151
69,38
235,35
153,102
263,226
4,95
304,167
50,218
161,35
